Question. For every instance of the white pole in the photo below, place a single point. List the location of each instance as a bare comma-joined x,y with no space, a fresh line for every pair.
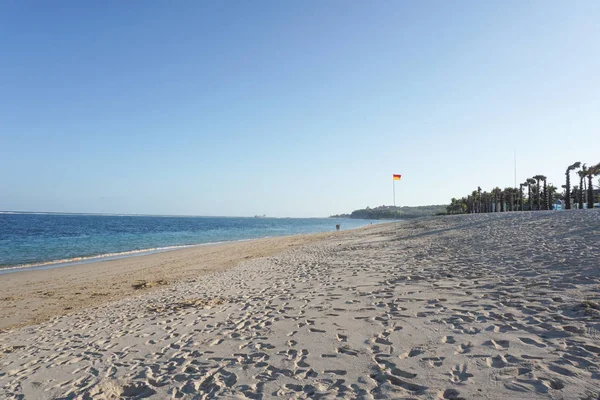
394,190
515,167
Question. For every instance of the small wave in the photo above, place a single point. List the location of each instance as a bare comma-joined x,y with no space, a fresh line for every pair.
92,258
121,254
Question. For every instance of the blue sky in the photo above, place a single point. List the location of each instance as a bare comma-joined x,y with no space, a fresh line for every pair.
289,108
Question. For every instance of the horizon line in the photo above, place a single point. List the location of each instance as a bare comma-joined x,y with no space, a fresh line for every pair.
141,215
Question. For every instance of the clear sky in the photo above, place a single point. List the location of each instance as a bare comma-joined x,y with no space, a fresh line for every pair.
289,108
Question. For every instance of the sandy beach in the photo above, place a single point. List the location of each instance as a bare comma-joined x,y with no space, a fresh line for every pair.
33,296
493,306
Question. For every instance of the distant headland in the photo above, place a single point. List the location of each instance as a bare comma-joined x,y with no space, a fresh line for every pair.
391,212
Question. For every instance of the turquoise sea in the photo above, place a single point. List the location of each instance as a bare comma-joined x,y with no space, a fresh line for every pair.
48,240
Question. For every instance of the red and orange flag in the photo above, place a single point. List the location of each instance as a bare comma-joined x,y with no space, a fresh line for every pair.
397,177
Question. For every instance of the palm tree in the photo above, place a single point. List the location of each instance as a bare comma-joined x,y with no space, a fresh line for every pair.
485,197
509,198
521,193
595,170
457,206
551,191
474,201
530,181
496,193
568,184
515,199
582,174
545,194
450,208
538,178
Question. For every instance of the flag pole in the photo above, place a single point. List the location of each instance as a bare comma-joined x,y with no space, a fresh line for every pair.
515,169
395,177
394,191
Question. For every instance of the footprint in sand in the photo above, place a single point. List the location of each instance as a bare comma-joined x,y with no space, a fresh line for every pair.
498,344
434,361
573,329
336,371
555,384
463,348
528,357
532,342
412,353
448,339
383,377
346,350
501,328
449,394
459,374
138,390
403,374
381,340
593,349
496,362
561,370
392,368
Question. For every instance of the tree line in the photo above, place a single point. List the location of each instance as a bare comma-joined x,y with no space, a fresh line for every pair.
391,212
539,195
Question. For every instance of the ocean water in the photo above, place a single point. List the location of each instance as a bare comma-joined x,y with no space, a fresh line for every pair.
30,240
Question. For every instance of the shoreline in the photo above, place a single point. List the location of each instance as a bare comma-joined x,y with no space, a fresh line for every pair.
37,294
68,262
44,264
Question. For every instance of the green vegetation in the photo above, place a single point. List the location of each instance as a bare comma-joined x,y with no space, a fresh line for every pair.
568,184
540,195
391,212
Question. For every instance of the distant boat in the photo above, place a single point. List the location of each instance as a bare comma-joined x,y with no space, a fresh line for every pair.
260,216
